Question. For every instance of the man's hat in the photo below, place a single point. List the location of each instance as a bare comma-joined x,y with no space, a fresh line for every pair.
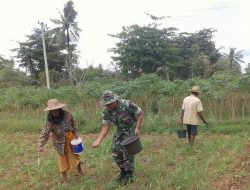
108,97
196,89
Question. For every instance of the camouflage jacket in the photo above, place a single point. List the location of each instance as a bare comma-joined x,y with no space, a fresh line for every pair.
57,132
124,117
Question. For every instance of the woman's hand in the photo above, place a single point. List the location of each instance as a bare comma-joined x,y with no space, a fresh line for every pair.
96,144
76,136
39,149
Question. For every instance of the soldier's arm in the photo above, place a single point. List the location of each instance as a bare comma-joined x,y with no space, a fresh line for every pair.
137,113
105,129
138,124
134,110
102,135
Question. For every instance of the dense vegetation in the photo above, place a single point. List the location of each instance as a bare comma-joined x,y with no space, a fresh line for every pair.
225,96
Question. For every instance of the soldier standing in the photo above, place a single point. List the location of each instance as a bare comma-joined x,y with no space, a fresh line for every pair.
127,116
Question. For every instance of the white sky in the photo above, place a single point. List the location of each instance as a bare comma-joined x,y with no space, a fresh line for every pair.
98,18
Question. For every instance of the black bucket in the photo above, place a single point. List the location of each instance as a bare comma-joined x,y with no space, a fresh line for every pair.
182,133
132,145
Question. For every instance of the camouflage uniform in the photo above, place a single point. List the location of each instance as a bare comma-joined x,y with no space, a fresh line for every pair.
124,117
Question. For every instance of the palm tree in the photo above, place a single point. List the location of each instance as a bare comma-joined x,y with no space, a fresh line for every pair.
67,32
234,59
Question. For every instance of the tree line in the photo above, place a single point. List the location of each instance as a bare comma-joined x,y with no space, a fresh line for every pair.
140,50
172,55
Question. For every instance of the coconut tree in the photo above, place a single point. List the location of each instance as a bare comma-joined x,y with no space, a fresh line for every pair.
234,59
67,34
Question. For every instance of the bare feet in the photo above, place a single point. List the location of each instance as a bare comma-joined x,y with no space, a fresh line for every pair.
79,169
64,179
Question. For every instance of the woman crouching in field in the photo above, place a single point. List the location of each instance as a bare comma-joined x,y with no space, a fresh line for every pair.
61,125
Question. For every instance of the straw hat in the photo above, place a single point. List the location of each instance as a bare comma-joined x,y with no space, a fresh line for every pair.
54,104
196,89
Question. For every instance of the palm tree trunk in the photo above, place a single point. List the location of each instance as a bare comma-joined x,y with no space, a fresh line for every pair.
69,58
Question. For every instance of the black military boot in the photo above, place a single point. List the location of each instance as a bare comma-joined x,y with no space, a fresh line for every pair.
121,176
128,177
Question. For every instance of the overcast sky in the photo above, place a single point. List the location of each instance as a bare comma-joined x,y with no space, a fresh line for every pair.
97,18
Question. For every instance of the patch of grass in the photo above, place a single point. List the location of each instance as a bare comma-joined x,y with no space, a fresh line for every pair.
159,124
165,163
26,121
231,128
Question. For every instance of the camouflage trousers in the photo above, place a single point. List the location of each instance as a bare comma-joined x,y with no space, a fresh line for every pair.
122,159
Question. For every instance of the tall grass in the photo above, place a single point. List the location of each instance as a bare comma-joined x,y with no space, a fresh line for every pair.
21,108
159,117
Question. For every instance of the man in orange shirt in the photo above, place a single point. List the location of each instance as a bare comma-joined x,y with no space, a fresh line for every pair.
191,111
